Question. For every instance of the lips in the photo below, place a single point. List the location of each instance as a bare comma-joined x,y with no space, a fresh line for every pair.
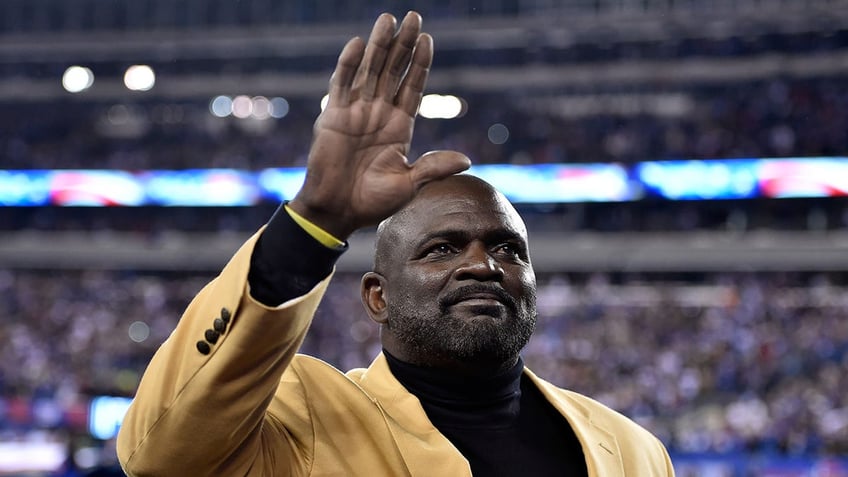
478,295
480,298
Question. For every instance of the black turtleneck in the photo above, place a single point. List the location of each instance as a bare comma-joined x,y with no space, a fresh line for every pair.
503,424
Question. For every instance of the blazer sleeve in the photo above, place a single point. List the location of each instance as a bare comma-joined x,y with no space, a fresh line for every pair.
200,407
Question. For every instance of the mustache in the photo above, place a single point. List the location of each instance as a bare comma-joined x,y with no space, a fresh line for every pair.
455,296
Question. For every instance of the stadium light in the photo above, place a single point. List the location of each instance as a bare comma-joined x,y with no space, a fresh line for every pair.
221,106
242,106
498,133
261,108
139,78
245,107
138,331
437,106
77,79
279,107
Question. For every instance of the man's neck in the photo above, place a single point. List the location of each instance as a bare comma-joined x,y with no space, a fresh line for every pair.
459,399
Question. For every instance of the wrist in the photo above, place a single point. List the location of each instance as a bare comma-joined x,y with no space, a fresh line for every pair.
331,222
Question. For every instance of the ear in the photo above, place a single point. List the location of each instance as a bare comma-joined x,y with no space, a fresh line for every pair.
372,291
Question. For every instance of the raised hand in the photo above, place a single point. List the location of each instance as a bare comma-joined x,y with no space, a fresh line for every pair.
358,172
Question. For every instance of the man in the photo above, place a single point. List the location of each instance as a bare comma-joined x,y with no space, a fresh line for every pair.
454,292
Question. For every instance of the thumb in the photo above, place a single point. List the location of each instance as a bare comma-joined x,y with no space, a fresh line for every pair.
437,165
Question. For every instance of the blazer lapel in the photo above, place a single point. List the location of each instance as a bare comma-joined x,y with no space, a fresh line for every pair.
425,450
603,458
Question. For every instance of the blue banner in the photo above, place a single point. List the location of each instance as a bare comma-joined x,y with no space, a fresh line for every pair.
537,183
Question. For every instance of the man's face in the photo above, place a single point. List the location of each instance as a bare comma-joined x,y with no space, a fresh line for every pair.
459,288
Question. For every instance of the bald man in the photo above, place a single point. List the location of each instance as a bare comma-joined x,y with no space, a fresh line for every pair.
452,289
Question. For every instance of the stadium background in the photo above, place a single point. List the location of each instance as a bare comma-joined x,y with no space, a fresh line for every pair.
719,323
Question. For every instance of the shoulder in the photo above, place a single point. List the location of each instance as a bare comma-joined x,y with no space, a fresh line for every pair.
313,377
307,370
309,387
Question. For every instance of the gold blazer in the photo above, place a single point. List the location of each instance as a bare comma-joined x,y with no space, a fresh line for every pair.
227,395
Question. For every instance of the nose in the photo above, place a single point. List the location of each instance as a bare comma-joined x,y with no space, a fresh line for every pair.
477,264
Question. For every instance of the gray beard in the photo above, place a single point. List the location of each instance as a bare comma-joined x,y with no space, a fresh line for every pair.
442,338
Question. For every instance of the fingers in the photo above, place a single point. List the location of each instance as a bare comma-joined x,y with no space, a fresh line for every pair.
436,165
397,61
379,44
342,79
412,88
385,69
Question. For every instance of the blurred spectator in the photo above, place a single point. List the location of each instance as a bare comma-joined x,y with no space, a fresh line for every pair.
710,363
720,362
774,118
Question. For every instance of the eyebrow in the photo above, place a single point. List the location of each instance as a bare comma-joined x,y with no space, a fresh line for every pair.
447,234
454,235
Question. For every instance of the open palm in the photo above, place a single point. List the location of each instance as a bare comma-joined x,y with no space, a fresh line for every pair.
358,172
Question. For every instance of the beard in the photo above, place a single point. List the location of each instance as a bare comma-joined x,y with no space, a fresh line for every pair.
436,335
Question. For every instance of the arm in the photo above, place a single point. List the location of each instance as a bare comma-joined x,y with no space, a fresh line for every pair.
201,409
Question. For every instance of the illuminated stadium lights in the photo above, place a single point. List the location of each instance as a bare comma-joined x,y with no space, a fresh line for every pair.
77,79
221,106
437,106
498,133
242,107
87,457
433,106
261,108
139,78
138,331
118,114
279,108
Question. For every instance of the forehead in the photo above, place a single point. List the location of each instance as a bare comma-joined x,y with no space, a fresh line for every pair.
473,209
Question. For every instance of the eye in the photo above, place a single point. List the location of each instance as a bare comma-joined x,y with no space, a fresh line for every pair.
440,249
511,249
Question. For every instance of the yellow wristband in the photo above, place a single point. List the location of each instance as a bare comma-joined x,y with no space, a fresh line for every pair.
315,231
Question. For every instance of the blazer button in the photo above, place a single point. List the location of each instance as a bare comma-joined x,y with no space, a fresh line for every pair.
212,336
203,347
225,315
219,325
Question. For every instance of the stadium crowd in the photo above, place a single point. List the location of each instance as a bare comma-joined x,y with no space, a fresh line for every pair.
157,15
711,363
774,118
